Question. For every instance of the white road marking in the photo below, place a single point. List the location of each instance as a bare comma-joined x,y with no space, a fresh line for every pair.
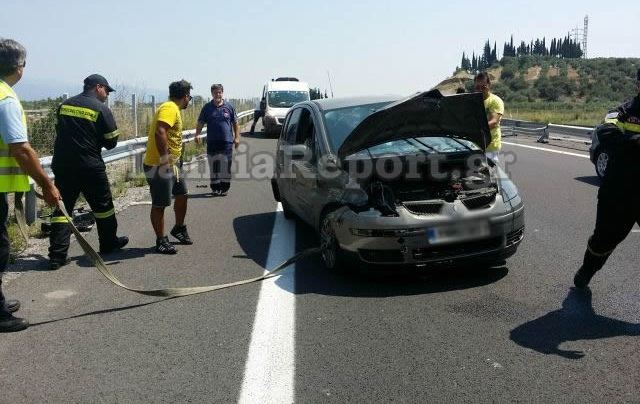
635,231
545,149
270,367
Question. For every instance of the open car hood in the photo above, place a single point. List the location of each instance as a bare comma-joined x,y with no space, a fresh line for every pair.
424,114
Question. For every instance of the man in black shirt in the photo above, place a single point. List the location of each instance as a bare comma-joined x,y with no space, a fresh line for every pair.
619,194
85,125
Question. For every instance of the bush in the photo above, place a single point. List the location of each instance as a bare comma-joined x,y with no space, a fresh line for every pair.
42,132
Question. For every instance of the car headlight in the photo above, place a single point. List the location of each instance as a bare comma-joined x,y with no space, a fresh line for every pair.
508,189
355,197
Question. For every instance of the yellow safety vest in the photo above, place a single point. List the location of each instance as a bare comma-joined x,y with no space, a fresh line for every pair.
12,177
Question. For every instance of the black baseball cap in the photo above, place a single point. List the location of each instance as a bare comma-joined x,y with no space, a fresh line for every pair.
98,79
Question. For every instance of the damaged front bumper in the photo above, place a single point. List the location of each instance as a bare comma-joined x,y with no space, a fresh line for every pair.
453,236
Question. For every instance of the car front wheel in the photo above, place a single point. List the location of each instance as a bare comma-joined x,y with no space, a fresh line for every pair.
332,254
602,159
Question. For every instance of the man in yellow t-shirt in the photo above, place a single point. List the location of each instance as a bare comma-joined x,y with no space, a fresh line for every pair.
494,108
162,166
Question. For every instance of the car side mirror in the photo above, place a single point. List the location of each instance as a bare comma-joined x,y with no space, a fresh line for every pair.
331,164
298,152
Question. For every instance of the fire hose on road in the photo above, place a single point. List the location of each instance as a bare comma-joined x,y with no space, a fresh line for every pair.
100,265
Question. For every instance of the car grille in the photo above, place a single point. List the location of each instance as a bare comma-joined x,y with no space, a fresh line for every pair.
479,202
443,251
374,256
515,236
423,208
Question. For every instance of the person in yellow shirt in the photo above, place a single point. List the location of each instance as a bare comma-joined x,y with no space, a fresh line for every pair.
163,166
494,106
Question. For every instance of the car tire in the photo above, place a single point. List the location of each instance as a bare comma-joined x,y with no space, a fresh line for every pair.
275,190
332,255
286,210
601,161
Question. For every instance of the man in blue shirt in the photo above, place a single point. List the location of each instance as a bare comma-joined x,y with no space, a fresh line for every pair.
223,134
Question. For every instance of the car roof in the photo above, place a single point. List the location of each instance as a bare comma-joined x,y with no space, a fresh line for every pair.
327,104
287,86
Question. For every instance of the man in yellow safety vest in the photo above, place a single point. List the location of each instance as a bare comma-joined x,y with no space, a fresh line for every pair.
18,161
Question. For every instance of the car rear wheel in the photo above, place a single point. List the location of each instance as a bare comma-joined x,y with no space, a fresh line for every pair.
332,255
602,159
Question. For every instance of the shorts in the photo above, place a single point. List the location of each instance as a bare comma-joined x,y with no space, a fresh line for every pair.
495,156
164,183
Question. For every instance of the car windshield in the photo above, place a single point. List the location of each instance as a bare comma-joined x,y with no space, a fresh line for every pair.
286,99
340,122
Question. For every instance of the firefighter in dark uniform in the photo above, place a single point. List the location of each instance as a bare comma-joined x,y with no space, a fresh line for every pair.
619,194
85,125
258,113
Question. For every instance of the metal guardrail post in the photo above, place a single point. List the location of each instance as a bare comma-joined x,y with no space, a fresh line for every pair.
30,206
134,106
544,138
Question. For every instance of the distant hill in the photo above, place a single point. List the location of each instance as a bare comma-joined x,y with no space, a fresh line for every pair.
550,79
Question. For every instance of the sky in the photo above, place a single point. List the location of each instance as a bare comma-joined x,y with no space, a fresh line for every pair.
366,47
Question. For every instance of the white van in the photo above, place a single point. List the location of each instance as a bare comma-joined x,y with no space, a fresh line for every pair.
280,95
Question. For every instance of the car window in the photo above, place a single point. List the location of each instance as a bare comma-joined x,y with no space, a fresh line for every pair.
340,122
306,131
291,131
286,99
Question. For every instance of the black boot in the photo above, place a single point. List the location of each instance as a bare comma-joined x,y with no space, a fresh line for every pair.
591,264
9,323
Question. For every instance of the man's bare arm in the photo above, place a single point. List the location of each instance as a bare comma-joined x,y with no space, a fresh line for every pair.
161,141
494,120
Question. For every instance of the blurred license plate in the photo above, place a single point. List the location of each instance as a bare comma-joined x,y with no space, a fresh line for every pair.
458,232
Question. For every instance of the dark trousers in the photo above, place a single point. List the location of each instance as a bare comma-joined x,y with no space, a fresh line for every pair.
614,220
220,159
5,244
256,116
94,185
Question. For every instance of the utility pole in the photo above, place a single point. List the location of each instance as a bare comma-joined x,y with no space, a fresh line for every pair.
580,36
584,36
330,86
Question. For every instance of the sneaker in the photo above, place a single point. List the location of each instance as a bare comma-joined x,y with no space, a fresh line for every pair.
216,192
120,242
180,232
163,246
9,323
12,305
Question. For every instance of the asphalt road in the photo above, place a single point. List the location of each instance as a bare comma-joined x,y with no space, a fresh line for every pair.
512,334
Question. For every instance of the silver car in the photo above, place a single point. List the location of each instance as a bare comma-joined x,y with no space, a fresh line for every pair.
391,182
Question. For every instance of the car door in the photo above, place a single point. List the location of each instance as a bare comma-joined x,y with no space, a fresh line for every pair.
304,187
283,158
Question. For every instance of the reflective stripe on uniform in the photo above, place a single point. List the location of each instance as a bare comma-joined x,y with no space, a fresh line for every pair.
79,112
624,126
631,127
59,219
104,215
11,171
111,135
